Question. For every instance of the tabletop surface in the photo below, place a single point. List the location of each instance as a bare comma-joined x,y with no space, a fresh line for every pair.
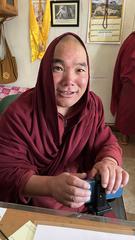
17,215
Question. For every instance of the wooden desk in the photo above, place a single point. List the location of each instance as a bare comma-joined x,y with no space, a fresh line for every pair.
17,215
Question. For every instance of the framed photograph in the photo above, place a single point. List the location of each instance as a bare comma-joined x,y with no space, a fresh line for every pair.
64,13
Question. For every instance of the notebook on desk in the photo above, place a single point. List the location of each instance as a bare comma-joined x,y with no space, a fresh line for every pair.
26,232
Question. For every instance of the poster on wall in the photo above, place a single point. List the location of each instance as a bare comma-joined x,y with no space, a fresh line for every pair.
105,21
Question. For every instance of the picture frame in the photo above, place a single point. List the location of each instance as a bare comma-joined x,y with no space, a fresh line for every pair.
8,8
64,13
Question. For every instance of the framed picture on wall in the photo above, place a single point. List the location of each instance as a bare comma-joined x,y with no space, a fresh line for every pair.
64,13
8,8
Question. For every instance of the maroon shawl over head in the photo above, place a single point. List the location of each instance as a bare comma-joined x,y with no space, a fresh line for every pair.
30,140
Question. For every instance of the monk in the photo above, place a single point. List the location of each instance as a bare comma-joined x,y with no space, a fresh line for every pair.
53,137
123,89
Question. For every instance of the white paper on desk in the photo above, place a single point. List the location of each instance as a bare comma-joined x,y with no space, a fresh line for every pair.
45,232
2,212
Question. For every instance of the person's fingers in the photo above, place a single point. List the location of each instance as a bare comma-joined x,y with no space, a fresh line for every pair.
111,179
81,175
77,182
77,199
93,173
103,172
125,178
118,181
78,192
105,179
118,178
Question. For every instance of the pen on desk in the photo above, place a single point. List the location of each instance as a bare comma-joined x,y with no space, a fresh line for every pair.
3,234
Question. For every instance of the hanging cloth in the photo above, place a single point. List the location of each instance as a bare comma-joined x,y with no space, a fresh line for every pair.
39,29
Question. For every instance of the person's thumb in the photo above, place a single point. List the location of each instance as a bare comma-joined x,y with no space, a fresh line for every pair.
93,173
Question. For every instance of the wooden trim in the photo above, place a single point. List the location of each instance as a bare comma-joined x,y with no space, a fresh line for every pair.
8,9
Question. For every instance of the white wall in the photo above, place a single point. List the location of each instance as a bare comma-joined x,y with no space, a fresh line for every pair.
102,57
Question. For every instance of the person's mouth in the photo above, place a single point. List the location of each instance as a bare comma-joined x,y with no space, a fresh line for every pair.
67,93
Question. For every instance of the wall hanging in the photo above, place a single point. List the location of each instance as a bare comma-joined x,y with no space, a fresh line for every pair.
40,19
8,66
105,21
64,13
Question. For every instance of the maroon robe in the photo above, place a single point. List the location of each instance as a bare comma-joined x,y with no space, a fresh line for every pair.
123,90
33,139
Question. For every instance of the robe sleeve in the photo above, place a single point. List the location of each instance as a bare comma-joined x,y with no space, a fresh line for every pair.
105,144
15,166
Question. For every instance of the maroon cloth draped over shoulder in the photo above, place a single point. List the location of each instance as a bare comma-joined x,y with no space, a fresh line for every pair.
123,89
31,140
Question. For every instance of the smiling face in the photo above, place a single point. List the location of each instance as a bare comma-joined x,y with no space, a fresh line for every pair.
70,73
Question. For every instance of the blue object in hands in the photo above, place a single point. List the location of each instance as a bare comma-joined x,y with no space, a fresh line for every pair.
93,188
117,194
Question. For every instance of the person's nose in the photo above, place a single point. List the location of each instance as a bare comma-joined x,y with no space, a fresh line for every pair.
69,78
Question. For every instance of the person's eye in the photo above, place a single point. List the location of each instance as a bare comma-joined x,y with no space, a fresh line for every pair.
81,70
57,68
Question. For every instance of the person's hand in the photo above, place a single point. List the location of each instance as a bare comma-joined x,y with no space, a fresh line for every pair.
112,175
70,189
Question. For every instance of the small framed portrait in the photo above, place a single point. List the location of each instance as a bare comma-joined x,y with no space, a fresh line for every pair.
64,13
